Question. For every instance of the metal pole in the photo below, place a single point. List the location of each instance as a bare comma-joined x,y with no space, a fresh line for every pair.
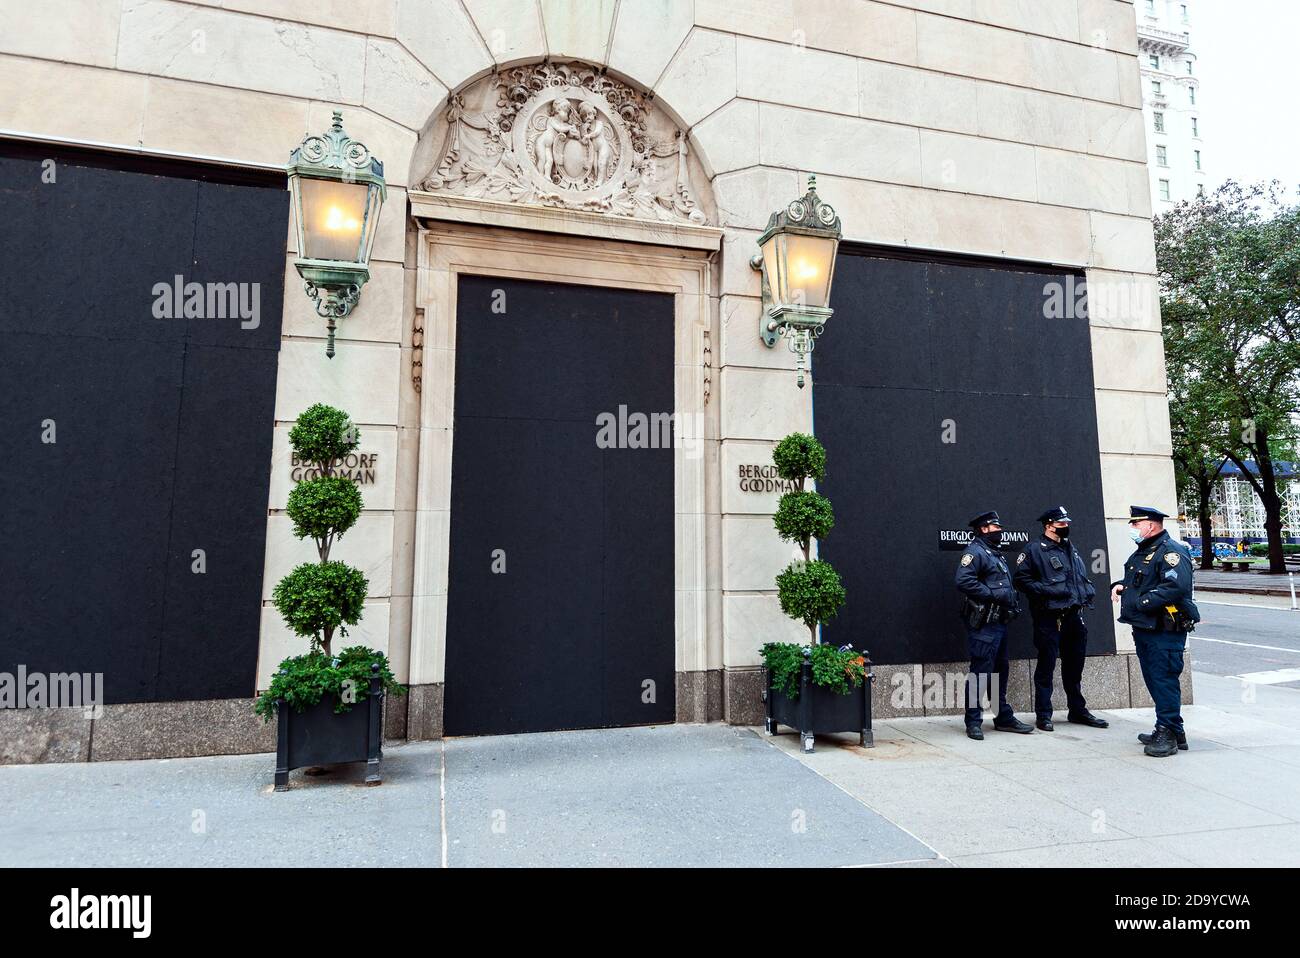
1290,578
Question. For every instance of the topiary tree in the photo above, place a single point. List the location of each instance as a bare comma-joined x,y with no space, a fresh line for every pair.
317,598
810,590
320,598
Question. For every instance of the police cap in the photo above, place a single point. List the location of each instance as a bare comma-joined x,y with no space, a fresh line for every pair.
1138,513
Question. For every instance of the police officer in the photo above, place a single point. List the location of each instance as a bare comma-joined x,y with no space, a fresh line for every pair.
1155,597
1051,574
989,604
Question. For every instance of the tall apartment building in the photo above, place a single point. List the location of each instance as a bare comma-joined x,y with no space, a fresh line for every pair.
1170,100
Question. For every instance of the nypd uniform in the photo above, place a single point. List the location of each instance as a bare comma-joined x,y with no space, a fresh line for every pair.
1055,582
1157,602
984,578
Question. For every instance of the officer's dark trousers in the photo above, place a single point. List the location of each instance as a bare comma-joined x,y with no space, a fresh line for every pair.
988,664
1161,656
1065,637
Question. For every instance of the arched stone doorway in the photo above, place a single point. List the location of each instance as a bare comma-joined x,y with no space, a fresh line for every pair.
571,193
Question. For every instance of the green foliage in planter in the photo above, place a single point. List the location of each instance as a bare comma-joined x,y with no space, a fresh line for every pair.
323,434
839,671
810,591
801,516
304,680
316,598
799,456
324,508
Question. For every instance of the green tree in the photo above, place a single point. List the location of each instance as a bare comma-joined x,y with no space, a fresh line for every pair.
810,591
1229,266
315,599
1198,435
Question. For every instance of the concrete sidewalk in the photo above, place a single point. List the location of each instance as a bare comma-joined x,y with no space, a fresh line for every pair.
679,795
692,795
1087,797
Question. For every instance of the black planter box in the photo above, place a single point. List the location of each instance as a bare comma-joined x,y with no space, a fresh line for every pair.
320,736
819,710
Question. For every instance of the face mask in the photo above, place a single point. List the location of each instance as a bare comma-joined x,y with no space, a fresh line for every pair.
1063,533
1135,535
992,538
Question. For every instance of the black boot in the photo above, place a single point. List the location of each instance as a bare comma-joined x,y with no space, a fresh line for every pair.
1087,718
1012,725
1179,737
1045,723
973,730
1162,744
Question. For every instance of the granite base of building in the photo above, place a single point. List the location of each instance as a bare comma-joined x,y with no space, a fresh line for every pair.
911,691
229,726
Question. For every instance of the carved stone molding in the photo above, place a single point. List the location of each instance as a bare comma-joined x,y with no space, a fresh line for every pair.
566,135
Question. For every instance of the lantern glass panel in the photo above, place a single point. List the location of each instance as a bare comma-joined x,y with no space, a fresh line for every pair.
374,202
333,220
799,268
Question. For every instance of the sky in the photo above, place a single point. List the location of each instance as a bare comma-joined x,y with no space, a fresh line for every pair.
1246,57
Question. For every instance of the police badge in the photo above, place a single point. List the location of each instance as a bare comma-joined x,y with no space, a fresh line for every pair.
967,559
1171,558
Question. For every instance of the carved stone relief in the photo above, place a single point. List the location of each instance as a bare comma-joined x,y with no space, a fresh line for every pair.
565,135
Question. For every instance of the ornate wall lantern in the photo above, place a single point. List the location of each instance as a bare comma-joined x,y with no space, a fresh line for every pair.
797,258
338,189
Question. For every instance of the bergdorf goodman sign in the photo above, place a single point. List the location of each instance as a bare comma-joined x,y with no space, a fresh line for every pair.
357,466
755,478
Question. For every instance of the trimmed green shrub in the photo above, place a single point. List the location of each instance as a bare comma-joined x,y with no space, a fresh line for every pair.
1260,549
319,598
810,590
840,671
803,516
799,456
323,435
302,681
324,508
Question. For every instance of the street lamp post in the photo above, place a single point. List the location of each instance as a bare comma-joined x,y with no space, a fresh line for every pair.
797,259
338,190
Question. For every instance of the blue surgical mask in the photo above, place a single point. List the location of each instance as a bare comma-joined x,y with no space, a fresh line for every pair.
1135,535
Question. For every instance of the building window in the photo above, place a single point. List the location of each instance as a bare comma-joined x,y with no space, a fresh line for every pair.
1191,95
1200,189
1155,87
1151,7
1186,18
1154,60
1198,159
1160,122
1196,127
1189,67
1164,189
1162,156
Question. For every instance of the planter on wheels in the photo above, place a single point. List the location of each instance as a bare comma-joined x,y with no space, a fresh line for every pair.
320,736
820,710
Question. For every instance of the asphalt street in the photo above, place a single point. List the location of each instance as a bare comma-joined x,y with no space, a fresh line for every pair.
1234,640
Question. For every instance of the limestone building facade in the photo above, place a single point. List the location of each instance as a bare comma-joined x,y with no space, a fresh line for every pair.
980,133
